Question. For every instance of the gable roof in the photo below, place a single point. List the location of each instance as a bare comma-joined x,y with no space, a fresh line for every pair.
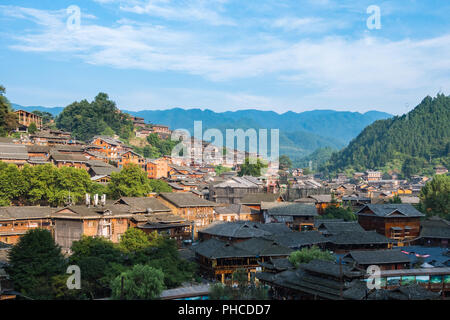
391,210
255,247
258,198
143,204
291,209
377,257
296,240
186,199
358,237
25,212
244,229
13,151
335,227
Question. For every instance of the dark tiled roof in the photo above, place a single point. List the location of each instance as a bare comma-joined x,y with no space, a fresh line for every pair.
257,198
103,171
36,148
279,264
391,210
70,157
293,209
335,227
435,228
256,247
355,237
330,268
377,257
297,240
13,151
29,212
84,212
244,229
186,199
143,204
409,292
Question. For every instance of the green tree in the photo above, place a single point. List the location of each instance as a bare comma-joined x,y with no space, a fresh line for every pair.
335,212
133,240
8,119
140,283
395,199
285,162
159,186
251,169
306,255
131,181
33,261
435,197
32,128
221,169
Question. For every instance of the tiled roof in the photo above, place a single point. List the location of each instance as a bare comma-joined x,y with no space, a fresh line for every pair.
25,212
391,210
292,209
355,237
13,151
377,257
335,227
143,204
186,199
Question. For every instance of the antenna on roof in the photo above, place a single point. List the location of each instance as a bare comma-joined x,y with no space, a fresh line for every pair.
88,199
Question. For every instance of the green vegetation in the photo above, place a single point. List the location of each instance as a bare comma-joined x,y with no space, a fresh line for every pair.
308,254
418,141
435,197
156,147
49,185
33,262
47,117
8,119
43,185
87,119
221,169
317,158
251,169
285,162
32,128
335,212
132,181
148,263
142,282
245,289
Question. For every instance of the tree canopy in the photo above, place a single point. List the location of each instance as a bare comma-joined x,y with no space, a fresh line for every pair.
86,119
8,119
435,197
306,255
251,169
142,282
33,261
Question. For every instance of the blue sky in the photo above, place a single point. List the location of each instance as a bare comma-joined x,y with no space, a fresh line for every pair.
226,54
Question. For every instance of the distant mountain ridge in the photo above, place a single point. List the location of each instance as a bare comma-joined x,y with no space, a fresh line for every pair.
417,140
300,133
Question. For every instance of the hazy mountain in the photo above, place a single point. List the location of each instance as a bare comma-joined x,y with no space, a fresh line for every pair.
300,133
54,111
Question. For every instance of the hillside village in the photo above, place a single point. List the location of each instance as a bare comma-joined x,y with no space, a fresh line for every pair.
225,221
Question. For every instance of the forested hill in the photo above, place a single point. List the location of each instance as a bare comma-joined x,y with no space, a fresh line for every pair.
101,116
418,139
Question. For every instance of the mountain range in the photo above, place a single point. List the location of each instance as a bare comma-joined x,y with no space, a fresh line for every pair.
300,133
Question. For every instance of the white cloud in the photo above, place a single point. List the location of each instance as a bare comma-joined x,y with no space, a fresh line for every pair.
331,68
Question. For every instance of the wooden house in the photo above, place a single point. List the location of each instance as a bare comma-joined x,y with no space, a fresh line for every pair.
395,221
71,223
220,259
190,207
16,221
384,259
298,216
